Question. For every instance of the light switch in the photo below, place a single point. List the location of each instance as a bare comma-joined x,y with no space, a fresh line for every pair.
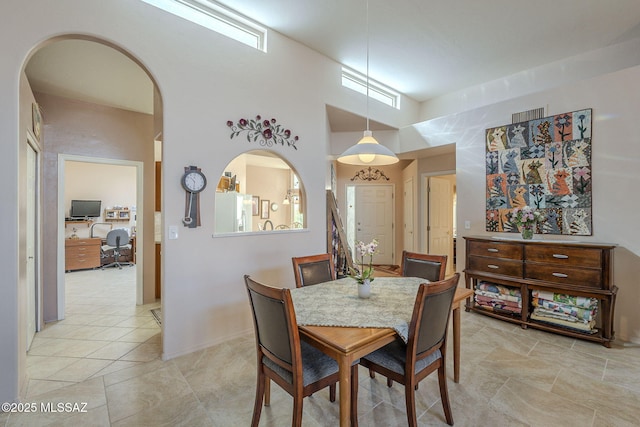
467,225
173,232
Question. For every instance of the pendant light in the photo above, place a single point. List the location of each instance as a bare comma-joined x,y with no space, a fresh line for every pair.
368,151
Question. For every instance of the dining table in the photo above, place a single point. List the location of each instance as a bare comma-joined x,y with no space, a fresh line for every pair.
334,319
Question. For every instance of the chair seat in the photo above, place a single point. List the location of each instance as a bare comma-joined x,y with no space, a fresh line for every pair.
315,365
106,248
393,356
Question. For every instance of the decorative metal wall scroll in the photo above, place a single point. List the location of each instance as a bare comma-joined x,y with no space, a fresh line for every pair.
543,163
267,132
369,174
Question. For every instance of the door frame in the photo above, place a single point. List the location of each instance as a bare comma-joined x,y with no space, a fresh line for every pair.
350,225
31,142
424,206
62,158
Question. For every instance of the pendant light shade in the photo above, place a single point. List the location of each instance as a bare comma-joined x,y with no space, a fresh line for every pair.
368,152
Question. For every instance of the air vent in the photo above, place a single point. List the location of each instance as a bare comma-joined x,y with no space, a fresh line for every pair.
524,116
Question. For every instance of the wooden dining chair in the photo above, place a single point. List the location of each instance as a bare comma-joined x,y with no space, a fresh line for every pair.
294,365
425,351
313,269
425,266
430,267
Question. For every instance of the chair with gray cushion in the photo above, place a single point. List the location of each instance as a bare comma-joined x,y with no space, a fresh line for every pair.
294,365
313,269
117,240
430,267
425,266
425,351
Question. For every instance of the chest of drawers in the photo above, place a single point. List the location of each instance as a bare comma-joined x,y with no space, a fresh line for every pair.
81,254
574,269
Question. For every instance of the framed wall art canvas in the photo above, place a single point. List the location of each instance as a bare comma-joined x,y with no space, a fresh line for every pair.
543,163
264,209
255,205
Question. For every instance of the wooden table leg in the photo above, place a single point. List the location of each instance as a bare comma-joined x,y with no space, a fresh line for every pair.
344,366
456,344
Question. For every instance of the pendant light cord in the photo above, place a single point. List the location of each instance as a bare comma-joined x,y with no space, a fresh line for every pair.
367,19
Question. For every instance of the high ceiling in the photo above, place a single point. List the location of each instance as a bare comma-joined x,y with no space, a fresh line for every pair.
422,48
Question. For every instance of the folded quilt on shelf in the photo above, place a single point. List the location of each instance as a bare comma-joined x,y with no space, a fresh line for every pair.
497,308
568,311
495,302
578,326
565,310
498,289
573,300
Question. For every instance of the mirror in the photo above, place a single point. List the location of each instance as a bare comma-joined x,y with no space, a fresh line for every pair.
266,195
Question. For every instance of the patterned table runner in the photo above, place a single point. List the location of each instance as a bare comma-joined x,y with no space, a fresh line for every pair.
336,303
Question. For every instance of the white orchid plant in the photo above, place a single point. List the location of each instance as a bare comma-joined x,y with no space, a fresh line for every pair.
364,249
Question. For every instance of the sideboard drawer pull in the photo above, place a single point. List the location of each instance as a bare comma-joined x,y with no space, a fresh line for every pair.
492,250
493,266
562,275
560,256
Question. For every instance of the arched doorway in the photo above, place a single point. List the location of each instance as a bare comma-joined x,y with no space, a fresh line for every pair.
90,95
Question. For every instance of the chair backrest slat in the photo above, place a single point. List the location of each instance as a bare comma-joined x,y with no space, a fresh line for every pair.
117,237
430,318
273,316
313,269
426,266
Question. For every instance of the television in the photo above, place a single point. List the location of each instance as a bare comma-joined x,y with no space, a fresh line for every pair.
85,208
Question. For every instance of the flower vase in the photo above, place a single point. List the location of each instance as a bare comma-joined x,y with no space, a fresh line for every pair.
527,232
364,289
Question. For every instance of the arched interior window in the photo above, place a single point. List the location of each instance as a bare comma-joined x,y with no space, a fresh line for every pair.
259,192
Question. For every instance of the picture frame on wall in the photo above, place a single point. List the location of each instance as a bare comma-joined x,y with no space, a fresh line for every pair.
255,205
264,209
36,117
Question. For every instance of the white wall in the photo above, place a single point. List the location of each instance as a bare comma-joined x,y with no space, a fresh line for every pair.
616,162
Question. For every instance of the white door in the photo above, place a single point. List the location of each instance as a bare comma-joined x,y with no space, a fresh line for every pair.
31,233
409,244
441,218
374,219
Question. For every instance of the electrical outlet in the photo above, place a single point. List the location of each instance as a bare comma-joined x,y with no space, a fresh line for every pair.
467,225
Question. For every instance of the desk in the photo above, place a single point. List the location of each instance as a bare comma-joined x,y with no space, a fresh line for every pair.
346,344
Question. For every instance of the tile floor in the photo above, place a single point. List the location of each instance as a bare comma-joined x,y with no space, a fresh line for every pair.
107,353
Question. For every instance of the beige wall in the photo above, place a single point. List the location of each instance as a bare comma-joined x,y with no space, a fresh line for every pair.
84,129
113,185
394,172
616,162
270,184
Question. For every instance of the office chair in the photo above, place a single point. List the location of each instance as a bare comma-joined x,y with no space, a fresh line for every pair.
116,239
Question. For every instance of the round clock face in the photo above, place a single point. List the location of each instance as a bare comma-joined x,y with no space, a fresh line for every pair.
194,181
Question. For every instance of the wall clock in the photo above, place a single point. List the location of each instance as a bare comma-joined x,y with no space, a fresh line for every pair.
193,181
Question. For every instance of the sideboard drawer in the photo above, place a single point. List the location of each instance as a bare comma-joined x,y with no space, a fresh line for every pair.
495,265
496,249
584,257
584,277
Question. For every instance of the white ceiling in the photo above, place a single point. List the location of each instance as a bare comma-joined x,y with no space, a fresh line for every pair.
422,48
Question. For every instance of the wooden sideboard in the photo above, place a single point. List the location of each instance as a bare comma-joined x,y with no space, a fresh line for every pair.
81,254
575,269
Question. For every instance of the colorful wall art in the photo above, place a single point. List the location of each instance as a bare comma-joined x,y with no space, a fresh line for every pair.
543,163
